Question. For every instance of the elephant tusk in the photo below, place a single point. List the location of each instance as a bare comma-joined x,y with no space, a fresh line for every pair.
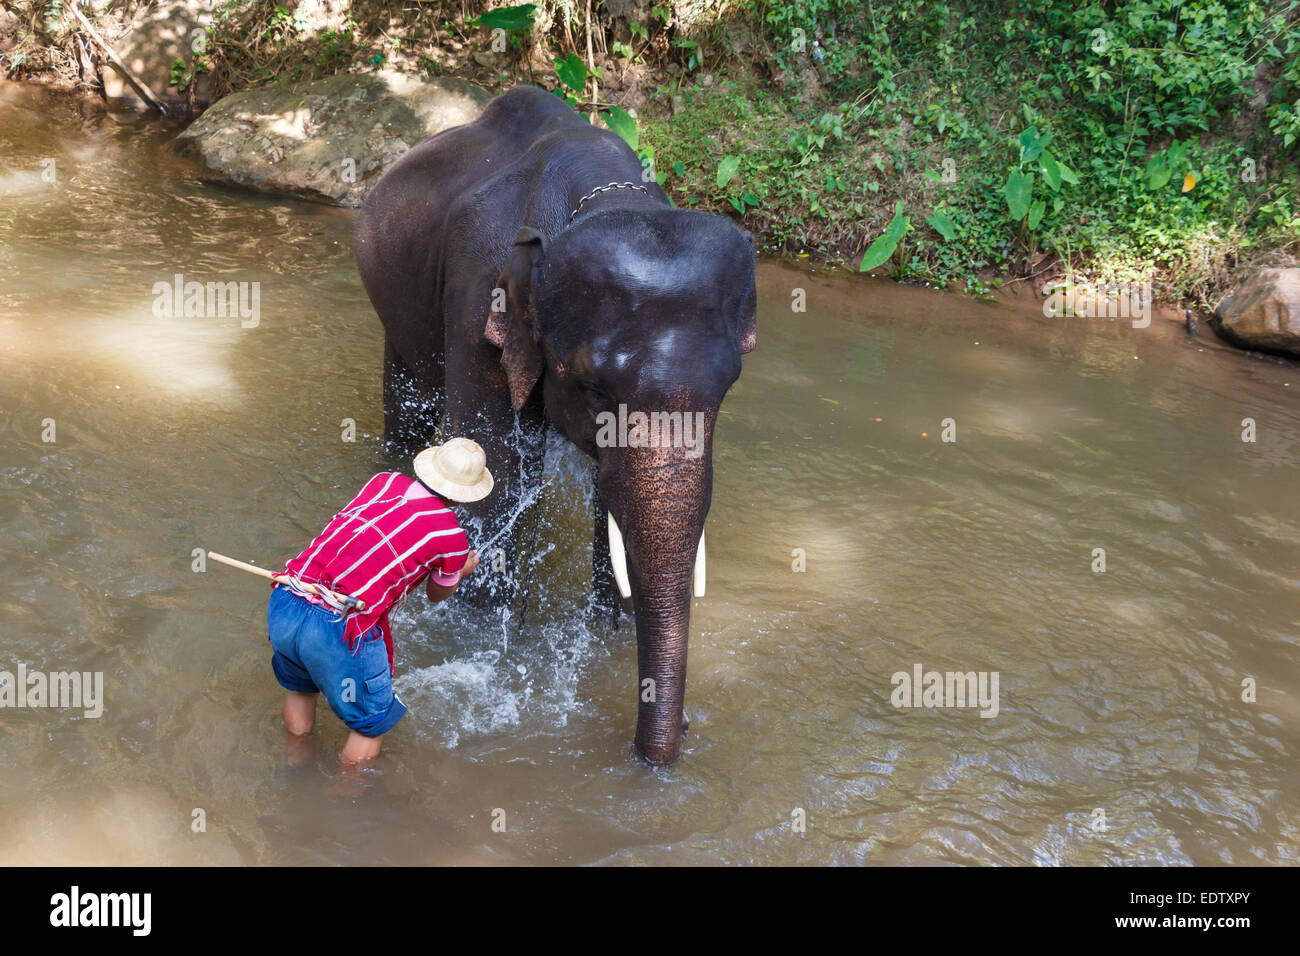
618,558
699,568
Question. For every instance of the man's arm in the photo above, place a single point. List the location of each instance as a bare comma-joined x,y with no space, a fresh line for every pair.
440,592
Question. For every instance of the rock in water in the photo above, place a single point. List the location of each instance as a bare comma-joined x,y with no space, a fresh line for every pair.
328,140
1263,313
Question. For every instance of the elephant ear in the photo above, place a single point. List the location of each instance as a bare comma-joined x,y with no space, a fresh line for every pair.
512,325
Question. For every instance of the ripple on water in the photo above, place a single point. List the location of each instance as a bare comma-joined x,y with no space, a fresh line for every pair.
847,542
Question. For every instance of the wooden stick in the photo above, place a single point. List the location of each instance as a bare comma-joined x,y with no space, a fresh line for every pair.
284,579
131,78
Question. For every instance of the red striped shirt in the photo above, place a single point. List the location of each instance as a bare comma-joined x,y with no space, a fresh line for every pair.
379,548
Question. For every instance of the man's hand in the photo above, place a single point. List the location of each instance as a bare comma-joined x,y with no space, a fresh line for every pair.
440,592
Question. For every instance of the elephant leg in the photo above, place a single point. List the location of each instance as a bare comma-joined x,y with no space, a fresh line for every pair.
411,403
515,449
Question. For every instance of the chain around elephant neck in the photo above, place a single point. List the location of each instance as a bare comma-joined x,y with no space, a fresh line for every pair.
601,189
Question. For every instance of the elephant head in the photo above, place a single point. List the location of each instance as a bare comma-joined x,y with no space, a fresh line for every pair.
634,321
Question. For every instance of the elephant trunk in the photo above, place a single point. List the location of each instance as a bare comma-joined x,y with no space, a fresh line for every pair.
659,500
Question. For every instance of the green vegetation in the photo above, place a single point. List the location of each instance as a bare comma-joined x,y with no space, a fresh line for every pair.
1126,139
1115,140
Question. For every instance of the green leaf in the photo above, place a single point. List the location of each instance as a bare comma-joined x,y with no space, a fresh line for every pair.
880,250
1051,171
934,177
621,122
943,226
1032,144
1018,189
727,169
1158,171
898,225
572,72
679,168
749,199
1036,213
509,18
1068,175
739,206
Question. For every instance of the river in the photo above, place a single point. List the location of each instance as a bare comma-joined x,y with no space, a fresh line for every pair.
848,542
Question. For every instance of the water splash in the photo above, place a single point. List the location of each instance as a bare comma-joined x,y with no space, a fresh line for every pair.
500,668
490,682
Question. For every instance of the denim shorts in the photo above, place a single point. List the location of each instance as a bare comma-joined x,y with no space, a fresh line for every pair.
310,656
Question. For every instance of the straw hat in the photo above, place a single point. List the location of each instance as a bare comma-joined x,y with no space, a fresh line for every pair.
455,470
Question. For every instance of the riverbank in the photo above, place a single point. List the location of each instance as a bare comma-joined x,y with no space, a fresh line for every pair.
1038,144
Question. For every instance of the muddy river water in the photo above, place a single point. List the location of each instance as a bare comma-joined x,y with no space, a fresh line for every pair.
1147,713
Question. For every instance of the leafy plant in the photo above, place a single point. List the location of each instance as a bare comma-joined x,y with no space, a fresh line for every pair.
1034,160
1167,163
943,225
572,72
333,46
182,74
691,54
727,168
621,122
880,251
517,18
284,23
810,143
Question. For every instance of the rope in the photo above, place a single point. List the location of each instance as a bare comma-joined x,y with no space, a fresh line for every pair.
297,585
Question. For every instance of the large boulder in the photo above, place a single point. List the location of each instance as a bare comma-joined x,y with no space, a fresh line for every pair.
159,35
327,140
1263,313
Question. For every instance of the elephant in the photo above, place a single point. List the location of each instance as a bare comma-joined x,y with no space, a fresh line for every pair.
525,271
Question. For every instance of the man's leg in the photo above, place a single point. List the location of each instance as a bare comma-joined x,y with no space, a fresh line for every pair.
360,747
299,713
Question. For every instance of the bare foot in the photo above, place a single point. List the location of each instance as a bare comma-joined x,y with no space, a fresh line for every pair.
351,780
